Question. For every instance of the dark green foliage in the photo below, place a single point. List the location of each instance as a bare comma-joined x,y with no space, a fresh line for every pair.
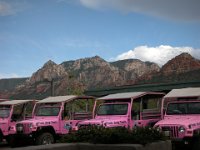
117,135
190,76
146,135
10,84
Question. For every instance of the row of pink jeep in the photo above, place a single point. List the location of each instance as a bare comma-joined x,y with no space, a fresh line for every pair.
56,116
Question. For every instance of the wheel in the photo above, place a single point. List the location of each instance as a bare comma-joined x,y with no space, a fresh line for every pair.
196,144
12,141
177,145
1,139
45,139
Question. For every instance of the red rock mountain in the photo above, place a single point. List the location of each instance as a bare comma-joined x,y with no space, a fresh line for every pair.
93,73
182,68
181,64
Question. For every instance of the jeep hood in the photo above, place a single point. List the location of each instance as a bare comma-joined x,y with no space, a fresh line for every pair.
179,120
105,121
41,121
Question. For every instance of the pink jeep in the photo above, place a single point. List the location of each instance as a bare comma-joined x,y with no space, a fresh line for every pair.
181,121
126,109
11,112
53,117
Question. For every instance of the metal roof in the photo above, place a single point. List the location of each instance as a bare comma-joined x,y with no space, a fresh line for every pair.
156,87
128,95
57,99
14,102
184,92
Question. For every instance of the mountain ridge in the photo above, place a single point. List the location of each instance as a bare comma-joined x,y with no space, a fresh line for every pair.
75,76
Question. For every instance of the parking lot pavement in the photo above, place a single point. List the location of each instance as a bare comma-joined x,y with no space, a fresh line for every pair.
5,146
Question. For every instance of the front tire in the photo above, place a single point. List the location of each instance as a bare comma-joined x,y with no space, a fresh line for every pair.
13,141
45,139
196,143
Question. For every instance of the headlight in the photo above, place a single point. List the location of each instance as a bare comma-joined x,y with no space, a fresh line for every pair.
181,129
19,127
158,128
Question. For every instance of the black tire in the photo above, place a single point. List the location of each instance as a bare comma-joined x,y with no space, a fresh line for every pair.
179,145
1,139
45,139
13,141
196,143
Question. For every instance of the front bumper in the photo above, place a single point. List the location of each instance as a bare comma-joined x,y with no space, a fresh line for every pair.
22,137
2,137
173,133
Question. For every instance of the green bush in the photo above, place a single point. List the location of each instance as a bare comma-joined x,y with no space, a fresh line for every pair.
94,134
146,135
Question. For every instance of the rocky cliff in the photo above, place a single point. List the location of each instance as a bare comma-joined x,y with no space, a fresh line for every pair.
94,72
134,69
49,71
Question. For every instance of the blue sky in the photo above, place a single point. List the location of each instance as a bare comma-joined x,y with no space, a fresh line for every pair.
35,31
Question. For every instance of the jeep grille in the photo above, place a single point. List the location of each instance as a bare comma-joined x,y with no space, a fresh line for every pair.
173,130
26,128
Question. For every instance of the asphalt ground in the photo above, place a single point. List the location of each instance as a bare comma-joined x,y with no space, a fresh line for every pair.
5,146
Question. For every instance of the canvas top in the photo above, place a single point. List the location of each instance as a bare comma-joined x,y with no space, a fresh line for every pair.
57,99
14,102
184,92
128,95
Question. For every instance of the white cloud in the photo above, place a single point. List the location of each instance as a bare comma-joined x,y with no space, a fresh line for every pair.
159,55
11,7
6,76
171,9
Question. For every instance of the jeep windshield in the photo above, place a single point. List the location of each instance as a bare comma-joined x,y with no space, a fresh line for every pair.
47,110
4,111
183,108
112,109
